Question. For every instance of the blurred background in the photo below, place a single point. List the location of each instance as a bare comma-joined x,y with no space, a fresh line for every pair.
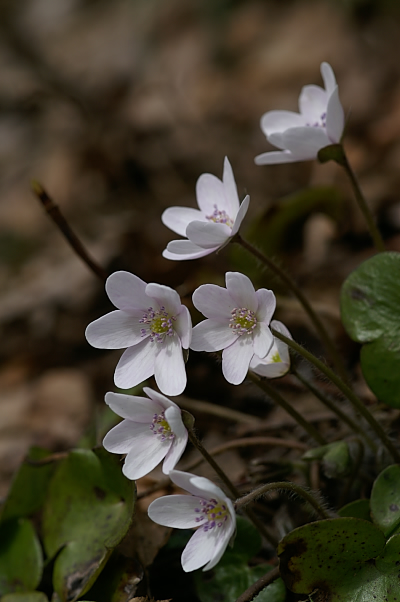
116,108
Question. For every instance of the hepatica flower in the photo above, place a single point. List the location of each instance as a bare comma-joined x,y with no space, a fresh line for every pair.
152,431
152,324
212,225
208,509
277,361
238,320
300,136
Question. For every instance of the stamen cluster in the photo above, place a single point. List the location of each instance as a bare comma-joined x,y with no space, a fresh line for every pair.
243,320
319,124
220,217
215,512
160,427
160,324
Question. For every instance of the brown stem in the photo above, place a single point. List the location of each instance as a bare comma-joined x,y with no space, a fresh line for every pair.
259,585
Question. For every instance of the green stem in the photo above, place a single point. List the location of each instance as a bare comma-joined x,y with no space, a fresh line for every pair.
271,392
373,230
292,487
332,406
347,392
297,292
230,486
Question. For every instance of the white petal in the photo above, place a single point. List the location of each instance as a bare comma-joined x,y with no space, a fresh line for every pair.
236,359
266,304
175,511
241,289
213,301
126,291
313,101
276,139
208,235
198,486
279,121
135,365
212,335
115,330
241,215
199,550
159,398
283,349
121,438
335,117
276,157
222,540
165,297
169,369
280,327
262,339
306,142
138,409
181,250
210,192
183,327
231,195
146,454
174,419
329,77
178,218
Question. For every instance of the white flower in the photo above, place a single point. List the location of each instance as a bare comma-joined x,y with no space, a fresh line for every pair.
238,322
212,225
207,508
154,326
152,430
277,361
301,135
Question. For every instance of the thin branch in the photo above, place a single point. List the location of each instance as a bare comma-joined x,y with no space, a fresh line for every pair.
259,585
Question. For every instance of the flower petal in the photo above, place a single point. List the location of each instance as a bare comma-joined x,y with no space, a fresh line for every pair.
269,369
276,157
159,398
121,438
231,194
240,215
241,290
174,419
279,121
212,335
115,330
262,339
126,291
266,304
329,77
135,365
276,139
183,327
177,511
177,219
200,549
210,192
198,486
213,301
165,297
305,142
313,101
138,409
145,455
169,369
208,235
334,117
180,250
222,540
236,359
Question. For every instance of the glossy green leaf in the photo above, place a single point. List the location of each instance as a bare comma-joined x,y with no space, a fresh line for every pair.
385,500
370,308
389,560
29,486
25,597
21,561
357,509
87,512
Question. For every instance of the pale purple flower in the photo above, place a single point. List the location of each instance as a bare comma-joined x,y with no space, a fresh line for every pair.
300,136
152,431
208,509
212,225
154,326
277,361
238,322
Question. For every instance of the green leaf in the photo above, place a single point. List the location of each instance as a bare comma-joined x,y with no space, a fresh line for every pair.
88,510
29,487
389,560
370,308
334,556
336,458
385,500
357,509
21,561
28,597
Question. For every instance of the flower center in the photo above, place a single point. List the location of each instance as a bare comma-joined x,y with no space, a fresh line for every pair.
159,324
318,124
212,513
243,320
220,217
276,358
161,428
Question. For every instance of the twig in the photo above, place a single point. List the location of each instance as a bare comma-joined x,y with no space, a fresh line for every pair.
259,585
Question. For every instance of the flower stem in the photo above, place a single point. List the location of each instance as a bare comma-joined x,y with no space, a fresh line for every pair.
347,392
259,585
292,487
230,486
297,292
332,406
373,230
271,392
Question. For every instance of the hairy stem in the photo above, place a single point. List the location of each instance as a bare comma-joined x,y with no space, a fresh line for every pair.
259,585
